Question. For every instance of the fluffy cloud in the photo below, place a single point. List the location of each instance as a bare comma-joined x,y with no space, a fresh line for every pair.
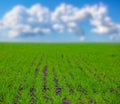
21,21
37,20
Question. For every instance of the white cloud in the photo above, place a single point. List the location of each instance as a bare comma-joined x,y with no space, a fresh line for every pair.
36,20
82,38
21,21
105,26
58,27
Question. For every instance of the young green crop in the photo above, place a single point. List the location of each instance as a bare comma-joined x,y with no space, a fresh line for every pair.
59,73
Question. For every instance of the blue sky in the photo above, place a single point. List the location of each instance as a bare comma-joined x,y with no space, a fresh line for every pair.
112,12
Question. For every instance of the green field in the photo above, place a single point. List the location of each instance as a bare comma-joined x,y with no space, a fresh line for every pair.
59,73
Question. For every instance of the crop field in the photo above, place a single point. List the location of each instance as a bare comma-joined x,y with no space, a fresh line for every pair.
59,73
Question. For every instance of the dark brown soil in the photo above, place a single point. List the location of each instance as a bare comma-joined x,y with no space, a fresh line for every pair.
91,101
18,94
37,68
21,87
82,90
32,94
45,88
58,89
32,89
71,90
113,91
65,101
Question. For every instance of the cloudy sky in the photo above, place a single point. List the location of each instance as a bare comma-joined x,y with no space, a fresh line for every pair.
60,20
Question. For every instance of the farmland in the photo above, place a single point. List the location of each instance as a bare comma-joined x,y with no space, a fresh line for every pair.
59,73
